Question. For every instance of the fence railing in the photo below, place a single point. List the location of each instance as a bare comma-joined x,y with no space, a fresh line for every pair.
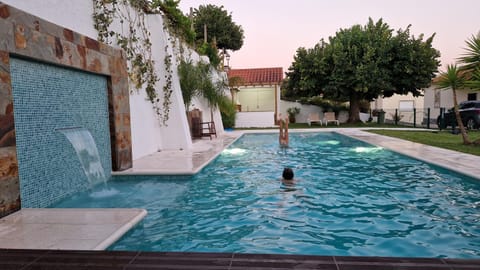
417,117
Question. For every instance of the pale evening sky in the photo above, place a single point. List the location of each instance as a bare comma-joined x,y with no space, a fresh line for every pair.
274,29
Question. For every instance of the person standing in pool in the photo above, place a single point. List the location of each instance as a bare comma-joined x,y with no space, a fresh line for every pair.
283,134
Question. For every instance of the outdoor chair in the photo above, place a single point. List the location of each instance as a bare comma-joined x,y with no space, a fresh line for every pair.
330,117
208,129
314,118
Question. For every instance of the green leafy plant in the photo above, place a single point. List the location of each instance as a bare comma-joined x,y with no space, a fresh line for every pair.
211,52
177,23
228,112
362,63
292,113
220,27
190,77
137,46
453,79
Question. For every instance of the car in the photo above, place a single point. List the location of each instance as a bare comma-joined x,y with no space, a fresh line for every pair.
469,112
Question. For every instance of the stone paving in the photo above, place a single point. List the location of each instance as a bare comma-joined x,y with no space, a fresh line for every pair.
68,229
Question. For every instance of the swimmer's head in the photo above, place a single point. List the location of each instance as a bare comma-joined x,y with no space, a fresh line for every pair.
287,174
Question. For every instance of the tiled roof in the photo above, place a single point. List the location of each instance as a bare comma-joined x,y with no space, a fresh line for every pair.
258,76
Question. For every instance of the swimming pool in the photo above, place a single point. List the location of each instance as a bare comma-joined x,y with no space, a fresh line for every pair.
350,198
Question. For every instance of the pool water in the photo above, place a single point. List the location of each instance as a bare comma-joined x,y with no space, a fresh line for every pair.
349,198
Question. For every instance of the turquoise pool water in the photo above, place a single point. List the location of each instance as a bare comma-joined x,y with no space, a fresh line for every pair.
350,198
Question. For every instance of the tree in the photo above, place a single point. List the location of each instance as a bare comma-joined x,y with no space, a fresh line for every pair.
454,79
414,63
471,62
220,27
176,22
305,76
471,65
362,63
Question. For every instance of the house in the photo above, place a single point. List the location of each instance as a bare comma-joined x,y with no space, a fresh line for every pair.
403,105
443,98
430,103
256,92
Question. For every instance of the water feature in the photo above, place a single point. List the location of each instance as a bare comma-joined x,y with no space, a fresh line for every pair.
47,97
87,152
350,198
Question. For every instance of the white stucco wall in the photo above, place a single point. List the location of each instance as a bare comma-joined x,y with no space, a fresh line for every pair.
148,135
305,111
393,102
254,119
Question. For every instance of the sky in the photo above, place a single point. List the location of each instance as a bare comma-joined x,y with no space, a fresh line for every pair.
275,29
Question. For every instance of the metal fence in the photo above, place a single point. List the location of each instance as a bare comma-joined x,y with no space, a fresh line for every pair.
418,117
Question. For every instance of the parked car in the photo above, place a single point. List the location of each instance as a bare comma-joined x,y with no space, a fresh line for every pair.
469,112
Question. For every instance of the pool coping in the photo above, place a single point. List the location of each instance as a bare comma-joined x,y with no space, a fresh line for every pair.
462,163
67,228
182,162
70,259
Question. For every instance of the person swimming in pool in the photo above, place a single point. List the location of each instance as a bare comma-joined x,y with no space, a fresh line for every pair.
287,177
283,134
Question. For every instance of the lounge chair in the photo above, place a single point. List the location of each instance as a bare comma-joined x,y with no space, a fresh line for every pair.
314,118
330,117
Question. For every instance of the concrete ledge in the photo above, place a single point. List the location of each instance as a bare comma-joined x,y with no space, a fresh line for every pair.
185,162
79,229
462,163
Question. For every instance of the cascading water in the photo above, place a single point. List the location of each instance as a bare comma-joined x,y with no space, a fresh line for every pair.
87,152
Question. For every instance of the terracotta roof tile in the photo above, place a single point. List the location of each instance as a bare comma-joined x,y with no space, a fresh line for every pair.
258,76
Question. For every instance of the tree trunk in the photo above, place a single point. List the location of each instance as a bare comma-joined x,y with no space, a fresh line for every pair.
354,114
466,140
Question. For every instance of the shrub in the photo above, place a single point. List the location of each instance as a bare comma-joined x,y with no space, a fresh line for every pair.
228,112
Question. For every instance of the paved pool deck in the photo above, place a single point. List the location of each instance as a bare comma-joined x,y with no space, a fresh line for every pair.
96,229
66,229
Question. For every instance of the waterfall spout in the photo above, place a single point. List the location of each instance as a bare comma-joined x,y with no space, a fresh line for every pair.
87,152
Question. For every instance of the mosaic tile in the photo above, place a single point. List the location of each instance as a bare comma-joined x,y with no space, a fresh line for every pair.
52,98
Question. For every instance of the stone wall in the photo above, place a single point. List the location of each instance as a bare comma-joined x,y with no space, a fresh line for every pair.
30,37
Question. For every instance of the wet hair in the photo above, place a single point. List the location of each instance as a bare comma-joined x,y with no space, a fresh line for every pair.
287,174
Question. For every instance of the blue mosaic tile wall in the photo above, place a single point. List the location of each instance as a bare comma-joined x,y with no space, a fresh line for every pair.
47,98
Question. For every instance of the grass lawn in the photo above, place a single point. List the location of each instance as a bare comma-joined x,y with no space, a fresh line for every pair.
442,139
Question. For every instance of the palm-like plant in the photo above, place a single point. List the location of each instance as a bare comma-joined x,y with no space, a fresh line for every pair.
471,62
471,56
453,79
190,80
210,90
474,81
471,65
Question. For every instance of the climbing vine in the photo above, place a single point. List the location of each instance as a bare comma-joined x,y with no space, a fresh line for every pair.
136,43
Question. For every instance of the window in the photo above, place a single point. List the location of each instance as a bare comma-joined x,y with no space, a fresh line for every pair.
466,105
472,96
436,102
406,105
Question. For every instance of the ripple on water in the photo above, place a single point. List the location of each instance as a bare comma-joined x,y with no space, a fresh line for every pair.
344,202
